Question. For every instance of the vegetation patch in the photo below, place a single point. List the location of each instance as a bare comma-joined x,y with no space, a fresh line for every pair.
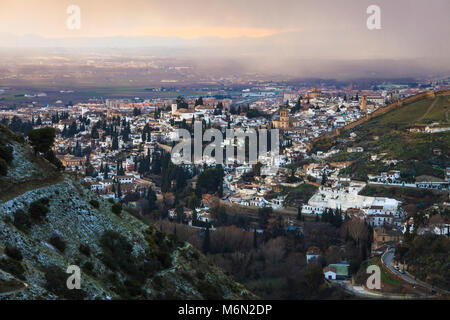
56,282
13,267
13,253
58,242
427,258
38,210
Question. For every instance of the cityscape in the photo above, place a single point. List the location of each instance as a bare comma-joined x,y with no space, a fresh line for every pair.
173,172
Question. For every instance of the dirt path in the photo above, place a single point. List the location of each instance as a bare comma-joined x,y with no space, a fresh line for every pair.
16,190
7,293
429,109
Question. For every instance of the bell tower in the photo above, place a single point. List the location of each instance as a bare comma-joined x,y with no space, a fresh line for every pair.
363,105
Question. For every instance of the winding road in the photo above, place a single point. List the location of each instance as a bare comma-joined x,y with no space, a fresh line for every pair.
387,259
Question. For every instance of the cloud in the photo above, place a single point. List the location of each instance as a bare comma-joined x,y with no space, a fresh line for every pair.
285,28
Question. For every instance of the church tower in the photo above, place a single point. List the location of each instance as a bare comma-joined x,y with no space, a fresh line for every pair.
363,105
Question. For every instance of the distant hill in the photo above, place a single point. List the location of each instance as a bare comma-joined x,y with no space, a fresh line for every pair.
49,221
388,137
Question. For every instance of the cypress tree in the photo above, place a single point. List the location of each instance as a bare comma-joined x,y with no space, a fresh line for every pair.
206,241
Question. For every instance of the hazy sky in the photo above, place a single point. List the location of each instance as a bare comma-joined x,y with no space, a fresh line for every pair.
333,29
222,18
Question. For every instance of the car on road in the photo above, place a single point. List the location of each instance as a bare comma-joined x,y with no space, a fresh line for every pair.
402,271
396,268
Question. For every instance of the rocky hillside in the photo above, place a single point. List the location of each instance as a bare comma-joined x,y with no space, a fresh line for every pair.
49,221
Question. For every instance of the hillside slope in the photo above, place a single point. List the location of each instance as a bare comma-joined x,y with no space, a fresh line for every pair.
49,222
388,137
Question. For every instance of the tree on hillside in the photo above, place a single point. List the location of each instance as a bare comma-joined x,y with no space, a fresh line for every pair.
151,197
42,139
263,216
181,103
206,241
357,230
199,101
220,215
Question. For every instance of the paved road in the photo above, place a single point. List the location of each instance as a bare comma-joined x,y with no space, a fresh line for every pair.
357,290
387,259
362,292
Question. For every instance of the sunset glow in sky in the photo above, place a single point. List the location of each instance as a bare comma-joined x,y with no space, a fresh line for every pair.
220,18
311,28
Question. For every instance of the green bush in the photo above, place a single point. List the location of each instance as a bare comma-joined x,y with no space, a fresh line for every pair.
22,220
116,208
209,291
164,258
38,210
45,201
88,267
58,243
51,157
3,167
85,249
117,255
133,288
13,267
6,153
116,250
94,203
13,252
42,139
56,280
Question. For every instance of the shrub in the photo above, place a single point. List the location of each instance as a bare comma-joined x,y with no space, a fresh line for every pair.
22,220
45,201
133,288
110,200
116,208
164,258
3,167
85,249
58,243
13,252
13,267
42,139
6,153
209,291
116,250
151,266
37,210
56,283
117,255
94,203
51,157
88,267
